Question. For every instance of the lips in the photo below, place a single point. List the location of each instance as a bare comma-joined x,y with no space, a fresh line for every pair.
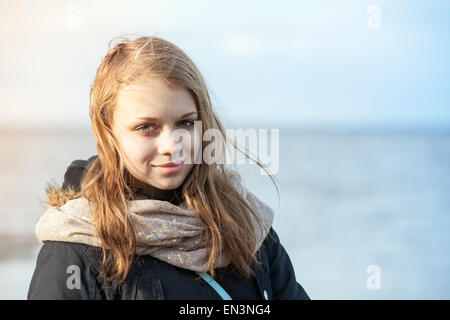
169,165
169,168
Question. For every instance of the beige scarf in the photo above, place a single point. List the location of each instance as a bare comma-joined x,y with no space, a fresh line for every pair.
165,231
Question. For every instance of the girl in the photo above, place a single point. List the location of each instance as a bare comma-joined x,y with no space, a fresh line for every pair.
145,219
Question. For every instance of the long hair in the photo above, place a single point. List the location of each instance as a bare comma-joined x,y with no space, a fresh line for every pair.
207,190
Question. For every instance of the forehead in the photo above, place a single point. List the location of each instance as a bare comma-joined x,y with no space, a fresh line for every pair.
153,98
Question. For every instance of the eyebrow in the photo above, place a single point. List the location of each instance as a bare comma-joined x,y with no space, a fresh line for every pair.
153,119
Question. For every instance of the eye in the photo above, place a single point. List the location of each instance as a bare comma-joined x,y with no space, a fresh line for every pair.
187,123
145,127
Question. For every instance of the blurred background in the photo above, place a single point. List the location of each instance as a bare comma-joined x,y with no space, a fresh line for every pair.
359,91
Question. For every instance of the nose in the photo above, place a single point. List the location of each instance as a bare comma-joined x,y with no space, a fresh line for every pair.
167,144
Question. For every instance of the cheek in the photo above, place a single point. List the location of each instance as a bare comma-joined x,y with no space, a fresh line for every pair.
194,145
136,149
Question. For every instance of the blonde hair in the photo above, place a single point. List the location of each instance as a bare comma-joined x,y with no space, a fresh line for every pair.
207,190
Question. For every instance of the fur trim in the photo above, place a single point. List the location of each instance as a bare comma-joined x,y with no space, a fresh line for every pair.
57,197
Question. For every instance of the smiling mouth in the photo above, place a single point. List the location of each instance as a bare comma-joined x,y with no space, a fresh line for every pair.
169,168
169,165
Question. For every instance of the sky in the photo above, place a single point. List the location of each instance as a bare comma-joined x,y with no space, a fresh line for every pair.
273,64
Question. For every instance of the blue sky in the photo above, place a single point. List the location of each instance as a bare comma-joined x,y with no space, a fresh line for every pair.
296,63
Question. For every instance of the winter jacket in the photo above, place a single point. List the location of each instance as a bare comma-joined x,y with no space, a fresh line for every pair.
68,270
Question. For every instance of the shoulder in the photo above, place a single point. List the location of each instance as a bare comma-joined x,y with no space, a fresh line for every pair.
269,249
60,256
64,250
63,245
271,242
277,262
273,251
64,270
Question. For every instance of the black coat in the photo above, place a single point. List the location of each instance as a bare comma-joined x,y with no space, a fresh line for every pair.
66,270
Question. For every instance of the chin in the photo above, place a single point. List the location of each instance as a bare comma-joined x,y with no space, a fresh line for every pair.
168,183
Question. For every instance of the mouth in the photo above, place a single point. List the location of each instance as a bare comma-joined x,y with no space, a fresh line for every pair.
169,165
169,168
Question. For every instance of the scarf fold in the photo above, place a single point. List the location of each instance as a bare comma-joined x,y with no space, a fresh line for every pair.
168,232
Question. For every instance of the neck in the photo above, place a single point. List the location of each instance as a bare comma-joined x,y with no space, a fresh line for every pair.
147,191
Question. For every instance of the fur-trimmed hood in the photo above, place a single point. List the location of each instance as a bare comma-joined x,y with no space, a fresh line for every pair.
58,195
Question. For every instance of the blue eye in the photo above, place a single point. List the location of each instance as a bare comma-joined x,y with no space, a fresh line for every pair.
151,128
187,123
144,126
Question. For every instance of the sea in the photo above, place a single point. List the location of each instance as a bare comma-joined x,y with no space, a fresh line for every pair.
362,214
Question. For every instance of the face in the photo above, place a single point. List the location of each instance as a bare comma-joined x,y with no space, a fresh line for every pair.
148,121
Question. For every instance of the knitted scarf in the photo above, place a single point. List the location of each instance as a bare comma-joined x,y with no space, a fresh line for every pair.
165,231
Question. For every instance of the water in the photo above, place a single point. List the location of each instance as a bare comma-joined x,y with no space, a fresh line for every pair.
347,201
